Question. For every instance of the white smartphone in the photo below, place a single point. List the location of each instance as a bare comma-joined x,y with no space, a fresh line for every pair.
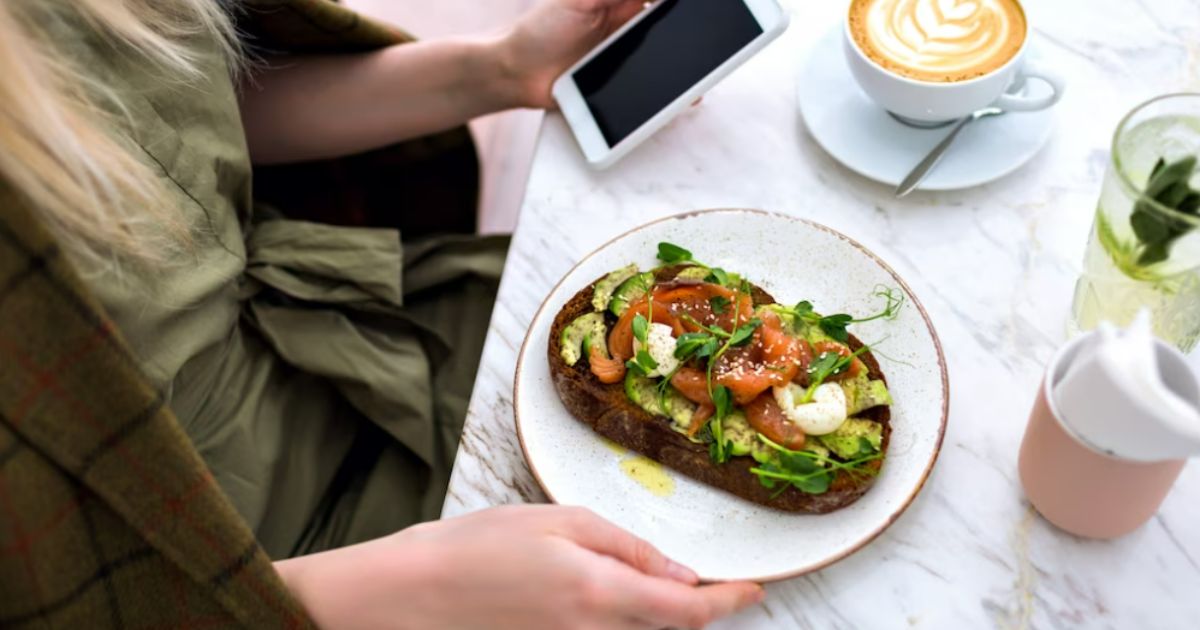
657,65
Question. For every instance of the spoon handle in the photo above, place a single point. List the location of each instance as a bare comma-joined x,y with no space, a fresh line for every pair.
922,169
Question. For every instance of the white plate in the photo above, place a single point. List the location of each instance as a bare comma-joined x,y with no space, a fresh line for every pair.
865,139
717,534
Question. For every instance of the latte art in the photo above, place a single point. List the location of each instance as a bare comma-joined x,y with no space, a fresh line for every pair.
939,40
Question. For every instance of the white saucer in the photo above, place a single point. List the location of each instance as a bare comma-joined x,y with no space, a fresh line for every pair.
863,137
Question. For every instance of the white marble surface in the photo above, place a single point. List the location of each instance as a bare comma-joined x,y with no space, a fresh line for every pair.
994,266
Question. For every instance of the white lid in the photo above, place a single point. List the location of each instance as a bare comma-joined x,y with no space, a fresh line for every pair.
1129,395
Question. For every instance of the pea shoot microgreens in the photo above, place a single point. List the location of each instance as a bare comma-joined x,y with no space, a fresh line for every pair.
805,470
709,343
721,449
672,254
835,325
642,363
824,366
717,275
664,388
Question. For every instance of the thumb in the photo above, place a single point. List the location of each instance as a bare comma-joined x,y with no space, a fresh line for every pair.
591,532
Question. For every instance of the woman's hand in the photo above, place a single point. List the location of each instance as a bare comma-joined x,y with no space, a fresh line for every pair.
553,36
525,567
375,99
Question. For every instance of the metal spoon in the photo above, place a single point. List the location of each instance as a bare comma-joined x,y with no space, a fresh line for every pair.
926,165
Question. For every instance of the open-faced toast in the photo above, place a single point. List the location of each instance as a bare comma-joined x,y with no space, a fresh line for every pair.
646,415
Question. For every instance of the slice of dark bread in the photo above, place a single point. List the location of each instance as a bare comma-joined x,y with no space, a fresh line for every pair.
610,413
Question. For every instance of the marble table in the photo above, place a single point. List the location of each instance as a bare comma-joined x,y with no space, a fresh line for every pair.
994,266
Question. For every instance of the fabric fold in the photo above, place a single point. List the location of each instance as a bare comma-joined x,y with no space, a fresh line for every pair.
329,301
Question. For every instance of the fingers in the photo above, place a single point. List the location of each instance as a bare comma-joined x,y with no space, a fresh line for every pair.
598,535
623,10
618,4
666,603
640,582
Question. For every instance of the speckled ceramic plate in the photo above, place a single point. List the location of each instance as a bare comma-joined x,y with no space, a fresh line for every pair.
719,535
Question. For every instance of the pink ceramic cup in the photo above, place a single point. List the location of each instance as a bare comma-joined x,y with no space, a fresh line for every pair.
1081,490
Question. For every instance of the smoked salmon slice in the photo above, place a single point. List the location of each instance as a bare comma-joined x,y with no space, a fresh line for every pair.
766,417
608,371
620,340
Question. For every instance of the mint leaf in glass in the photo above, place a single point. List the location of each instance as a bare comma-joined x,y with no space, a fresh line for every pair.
1168,187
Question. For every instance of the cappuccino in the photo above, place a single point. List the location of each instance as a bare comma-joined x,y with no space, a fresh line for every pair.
938,41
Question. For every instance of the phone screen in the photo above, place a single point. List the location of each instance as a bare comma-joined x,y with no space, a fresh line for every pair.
659,59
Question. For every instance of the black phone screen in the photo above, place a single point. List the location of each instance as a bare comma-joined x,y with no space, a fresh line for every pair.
659,59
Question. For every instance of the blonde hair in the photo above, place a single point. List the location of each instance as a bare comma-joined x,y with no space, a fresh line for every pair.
57,144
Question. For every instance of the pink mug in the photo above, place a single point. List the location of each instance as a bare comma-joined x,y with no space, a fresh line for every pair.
1079,489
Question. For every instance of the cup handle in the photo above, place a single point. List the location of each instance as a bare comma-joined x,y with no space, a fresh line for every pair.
1034,70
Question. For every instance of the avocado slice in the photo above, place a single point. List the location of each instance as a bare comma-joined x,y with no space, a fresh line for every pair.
737,431
643,393
816,447
862,393
693,273
680,409
701,273
590,325
855,438
603,291
601,334
811,332
629,291
745,440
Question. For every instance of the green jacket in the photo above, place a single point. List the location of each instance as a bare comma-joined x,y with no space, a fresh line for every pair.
108,516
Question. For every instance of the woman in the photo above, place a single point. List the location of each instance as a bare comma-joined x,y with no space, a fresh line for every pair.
321,372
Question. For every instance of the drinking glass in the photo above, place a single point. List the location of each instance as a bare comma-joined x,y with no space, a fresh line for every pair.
1144,249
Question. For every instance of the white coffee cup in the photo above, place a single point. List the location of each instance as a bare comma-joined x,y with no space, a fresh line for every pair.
930,103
